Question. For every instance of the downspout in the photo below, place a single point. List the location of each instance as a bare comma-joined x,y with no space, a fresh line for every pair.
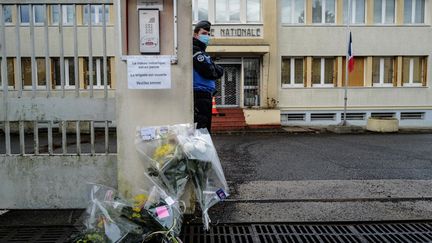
174,59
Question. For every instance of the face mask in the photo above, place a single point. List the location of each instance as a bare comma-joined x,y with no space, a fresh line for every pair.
204,39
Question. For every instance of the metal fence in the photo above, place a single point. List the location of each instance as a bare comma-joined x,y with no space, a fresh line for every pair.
57,101
32,30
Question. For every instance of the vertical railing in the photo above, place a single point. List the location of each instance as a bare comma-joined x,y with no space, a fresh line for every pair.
105,76
90,49
76,63
62,62
47,53
19,80
33,55
17,130
4,76
51,137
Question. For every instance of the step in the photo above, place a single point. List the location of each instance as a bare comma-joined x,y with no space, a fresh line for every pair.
215,129
229,111
227,128
225,115
236,123
228,119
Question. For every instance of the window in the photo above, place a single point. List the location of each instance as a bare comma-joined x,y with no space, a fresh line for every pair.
26,72
292,72
293,11
323,11
252,77
253,13
227,11
382,71
24,14
384,11
7,14
68,14
414,11
38,14
357,12
98,76
413,71
323,72
200,8
10,72
96,14
69,72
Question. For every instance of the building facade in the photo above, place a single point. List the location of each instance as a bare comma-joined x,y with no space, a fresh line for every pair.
301,56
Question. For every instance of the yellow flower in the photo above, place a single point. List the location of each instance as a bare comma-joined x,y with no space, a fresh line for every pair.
162,151
100,223
139,201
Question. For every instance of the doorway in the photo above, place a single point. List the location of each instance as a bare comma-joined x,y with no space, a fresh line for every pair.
228,87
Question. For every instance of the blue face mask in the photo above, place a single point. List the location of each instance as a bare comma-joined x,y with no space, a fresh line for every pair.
204,39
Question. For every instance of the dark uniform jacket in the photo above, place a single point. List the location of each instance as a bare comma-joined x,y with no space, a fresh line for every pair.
205,70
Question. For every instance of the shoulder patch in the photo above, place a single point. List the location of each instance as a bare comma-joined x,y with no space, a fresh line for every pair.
200,58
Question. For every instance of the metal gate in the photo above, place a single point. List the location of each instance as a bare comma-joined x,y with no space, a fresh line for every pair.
228,87
57,105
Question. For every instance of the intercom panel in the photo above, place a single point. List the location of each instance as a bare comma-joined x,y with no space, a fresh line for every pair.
149,31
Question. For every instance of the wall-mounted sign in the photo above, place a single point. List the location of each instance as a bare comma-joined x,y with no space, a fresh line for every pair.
149,72
150,4
237,31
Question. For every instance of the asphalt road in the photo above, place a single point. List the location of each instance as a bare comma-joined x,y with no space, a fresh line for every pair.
267,157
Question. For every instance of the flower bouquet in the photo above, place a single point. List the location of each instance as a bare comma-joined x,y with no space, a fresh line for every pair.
158,213
103,222
160,152
154,217
205,170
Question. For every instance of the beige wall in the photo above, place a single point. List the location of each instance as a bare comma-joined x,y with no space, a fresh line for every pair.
152,107
271,61
369,40
331,41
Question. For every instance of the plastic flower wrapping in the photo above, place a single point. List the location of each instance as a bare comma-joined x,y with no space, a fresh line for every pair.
147,217
163,157
172,155
103,222
205,169
178,153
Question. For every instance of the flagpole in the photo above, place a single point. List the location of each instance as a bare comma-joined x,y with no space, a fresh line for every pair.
344,123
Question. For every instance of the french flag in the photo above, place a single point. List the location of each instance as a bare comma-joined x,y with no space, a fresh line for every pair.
350,55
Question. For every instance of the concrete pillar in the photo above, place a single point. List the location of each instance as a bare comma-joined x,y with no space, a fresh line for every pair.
150,107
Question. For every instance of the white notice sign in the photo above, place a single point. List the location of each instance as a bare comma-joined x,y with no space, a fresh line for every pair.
149,72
